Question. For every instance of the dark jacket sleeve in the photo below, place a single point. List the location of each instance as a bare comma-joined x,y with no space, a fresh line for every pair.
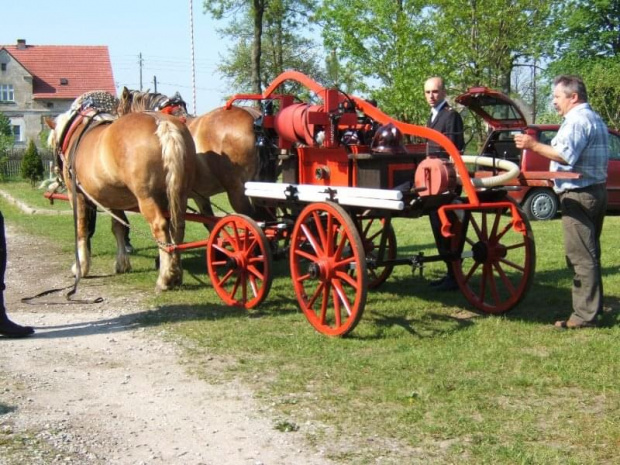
454,130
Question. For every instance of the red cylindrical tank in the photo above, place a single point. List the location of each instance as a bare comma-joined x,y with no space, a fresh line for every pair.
436,175
291,123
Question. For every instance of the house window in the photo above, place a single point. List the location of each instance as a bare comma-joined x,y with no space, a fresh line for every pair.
6,93
3,66
17,133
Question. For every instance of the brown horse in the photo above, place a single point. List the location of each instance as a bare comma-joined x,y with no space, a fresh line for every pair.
139,161
226,146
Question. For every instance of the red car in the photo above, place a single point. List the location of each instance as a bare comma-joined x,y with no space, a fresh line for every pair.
534,187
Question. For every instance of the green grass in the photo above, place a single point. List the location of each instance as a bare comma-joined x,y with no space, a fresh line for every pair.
422,379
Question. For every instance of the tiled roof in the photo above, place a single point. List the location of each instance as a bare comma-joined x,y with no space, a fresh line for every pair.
85,68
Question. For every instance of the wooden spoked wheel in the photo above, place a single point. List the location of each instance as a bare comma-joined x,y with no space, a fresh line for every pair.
328,268
497,263
371,232
239,261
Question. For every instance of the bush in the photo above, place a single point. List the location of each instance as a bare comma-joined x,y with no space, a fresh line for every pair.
32,165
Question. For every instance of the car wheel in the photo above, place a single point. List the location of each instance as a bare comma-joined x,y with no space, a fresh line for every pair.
541,204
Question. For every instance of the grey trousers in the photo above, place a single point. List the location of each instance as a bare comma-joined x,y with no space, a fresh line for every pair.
583,212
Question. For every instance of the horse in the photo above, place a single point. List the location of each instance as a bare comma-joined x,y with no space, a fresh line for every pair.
226,147
143,161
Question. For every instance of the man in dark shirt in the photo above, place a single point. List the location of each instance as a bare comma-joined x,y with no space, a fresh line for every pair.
446,120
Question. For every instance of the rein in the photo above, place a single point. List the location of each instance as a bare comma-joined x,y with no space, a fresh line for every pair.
76,120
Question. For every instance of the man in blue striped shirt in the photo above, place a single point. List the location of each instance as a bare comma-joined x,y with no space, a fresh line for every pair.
580,146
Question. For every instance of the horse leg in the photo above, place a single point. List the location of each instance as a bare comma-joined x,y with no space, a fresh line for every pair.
239,201
122,263
83,238
206,209
170,270
91,218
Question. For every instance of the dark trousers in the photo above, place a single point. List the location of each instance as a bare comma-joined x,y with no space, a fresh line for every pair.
583,212
2,266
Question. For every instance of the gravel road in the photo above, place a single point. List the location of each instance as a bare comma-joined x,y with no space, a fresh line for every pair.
93,387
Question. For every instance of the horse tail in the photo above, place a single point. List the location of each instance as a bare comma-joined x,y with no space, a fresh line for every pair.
174,154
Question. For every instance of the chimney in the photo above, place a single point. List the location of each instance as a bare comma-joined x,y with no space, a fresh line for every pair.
21,44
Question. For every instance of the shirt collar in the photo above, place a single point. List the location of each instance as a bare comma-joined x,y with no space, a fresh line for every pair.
436,108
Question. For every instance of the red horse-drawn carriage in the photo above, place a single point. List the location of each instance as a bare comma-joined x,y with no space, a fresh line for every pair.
331,212
343,176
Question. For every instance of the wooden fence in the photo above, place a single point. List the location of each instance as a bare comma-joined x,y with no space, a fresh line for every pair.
11,166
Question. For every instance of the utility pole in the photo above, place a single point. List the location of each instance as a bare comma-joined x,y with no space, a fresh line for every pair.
191,31
140,63
155,84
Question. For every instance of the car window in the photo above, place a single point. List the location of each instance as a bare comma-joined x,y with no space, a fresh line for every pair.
547,136
614,147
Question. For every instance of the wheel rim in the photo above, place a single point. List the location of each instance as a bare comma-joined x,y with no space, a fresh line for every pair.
371,230
328,268
543,207
239,261
497,263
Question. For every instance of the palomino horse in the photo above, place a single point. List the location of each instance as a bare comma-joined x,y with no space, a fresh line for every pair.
142,160
225,145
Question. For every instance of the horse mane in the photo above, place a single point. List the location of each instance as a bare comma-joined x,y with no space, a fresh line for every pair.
135,100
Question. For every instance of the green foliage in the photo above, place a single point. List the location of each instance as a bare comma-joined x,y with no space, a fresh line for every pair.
32,165
588,45
588,28
396,46
277,26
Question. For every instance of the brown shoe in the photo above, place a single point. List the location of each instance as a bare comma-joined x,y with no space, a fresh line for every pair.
570,324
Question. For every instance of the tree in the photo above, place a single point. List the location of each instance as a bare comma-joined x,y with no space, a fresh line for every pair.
32,165
397,44
588,45
267,34
383,42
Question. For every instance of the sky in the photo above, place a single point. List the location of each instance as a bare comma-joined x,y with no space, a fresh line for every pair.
160,30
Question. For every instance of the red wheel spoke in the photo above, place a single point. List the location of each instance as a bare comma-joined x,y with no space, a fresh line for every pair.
225,278
483,220
347,278
493,286
324,304
318,225
341,245
306,255
474,225
512,264
498,217
342,296
251,279
337,309
254,273
504,278
332,233
504,231
318,250
316,294
472,271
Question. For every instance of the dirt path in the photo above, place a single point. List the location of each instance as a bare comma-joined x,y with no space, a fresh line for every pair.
93,387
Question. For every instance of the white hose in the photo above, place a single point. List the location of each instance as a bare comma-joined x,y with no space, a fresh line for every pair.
511,170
